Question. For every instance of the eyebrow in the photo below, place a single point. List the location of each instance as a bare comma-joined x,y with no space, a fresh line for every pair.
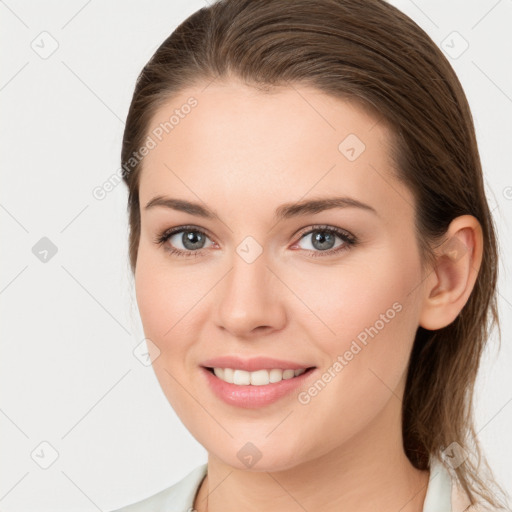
285,211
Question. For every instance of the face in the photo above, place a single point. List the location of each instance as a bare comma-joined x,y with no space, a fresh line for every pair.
334,287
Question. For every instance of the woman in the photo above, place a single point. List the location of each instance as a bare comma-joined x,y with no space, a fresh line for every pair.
314,258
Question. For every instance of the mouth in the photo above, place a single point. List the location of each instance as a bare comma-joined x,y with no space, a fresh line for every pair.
260,388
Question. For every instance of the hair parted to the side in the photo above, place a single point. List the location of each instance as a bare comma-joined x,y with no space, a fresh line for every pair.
369,52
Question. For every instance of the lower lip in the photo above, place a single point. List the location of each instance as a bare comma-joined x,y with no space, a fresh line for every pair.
252,397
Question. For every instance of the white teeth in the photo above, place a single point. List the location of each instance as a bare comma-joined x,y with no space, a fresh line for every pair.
257,378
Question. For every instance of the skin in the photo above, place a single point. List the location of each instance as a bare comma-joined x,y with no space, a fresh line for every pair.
244,153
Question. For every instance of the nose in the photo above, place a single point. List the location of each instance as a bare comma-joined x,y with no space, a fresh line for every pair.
250,299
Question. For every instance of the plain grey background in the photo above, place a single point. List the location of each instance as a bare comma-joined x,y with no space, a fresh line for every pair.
84,424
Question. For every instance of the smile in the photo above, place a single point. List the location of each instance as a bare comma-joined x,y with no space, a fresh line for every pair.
256,378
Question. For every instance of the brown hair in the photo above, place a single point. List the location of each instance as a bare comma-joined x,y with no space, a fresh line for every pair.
370,52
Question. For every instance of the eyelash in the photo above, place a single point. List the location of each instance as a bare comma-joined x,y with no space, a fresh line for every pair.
348,239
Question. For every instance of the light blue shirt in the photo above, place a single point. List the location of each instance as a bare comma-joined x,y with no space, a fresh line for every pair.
180,496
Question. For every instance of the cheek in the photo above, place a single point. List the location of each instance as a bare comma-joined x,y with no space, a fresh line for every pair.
346,300
165,297
154,303
374,320
171,298
369,318
165,293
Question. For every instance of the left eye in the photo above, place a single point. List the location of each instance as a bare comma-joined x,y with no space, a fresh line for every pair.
324,240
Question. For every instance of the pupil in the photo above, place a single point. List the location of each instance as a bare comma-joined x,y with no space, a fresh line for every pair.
323,240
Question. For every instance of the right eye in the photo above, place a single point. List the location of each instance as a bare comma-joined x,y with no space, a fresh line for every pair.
183,240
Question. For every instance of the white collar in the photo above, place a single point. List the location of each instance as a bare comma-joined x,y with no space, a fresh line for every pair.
439,490
443,494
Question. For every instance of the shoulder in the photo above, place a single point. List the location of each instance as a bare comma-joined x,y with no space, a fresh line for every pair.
178,498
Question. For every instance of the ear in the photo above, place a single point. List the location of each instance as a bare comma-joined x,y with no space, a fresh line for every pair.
451,281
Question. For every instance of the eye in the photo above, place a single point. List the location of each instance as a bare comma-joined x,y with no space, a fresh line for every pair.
321,240
183,241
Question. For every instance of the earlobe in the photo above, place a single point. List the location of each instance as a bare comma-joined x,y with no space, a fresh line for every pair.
452,279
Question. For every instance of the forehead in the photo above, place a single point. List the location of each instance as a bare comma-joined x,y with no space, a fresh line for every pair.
238,142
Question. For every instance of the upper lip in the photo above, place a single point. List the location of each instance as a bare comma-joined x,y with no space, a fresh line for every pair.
253,364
